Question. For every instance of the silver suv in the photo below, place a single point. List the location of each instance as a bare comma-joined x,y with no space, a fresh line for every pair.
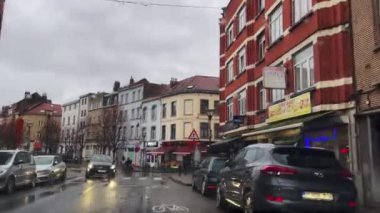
17,168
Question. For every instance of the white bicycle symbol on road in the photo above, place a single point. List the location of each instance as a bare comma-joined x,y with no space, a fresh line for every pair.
169,208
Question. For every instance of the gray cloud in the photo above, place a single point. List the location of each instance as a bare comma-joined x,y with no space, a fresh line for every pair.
67,48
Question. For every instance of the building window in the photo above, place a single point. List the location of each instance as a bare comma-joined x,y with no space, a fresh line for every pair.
163,110
68,121
242,97
63,121
144,114
133,114
205,130
230,109
126,98
126,115
143,133
242,18
275,24
204,107
154,112
304,69
277,94
260,5
216,108
163,132
376,15
153,133
230,71
300,9
70,107
121,99
261,47
262,97
137,131
172,132
188,107
241,60
139,95
74,120
133,96
174,109
64,109
124,132
75,106
230,34
131,133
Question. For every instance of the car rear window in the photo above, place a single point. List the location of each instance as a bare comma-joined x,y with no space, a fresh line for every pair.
5,157
306,158
218,165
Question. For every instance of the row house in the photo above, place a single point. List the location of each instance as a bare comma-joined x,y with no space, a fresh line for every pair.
185,112
69,126
366,45
285,66
129,130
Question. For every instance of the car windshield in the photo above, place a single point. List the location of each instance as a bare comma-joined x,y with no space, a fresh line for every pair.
218,165
306,158
43,160
5,158
101,158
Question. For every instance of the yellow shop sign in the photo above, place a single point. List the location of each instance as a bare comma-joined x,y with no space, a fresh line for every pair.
300,105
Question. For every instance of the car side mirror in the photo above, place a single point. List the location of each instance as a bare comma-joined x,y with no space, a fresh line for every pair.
229,163
18,162
55,163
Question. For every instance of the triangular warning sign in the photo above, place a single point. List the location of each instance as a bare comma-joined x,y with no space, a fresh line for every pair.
194,135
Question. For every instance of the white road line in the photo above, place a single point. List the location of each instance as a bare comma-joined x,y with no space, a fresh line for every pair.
142,178
157,178
127,178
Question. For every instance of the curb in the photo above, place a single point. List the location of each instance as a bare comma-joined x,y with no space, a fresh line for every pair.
179,182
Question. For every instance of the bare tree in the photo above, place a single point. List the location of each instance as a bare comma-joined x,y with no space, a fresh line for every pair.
8,137
108,131
50,136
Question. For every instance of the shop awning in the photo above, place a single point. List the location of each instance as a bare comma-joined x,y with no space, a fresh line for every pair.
184,150
224,146
161,150
289,128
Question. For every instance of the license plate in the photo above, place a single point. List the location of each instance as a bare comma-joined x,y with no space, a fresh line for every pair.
102,171
318,196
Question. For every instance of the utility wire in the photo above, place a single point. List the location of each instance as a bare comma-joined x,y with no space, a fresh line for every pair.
148,4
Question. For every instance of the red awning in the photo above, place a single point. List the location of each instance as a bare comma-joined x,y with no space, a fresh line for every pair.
37,146
184,150
161,150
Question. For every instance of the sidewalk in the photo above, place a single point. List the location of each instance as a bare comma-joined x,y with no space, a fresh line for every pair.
185,180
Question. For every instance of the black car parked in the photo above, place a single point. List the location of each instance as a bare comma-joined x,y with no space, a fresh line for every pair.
263,177
206,177
100,166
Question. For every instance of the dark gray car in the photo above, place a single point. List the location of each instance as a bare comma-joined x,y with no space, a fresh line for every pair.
206,177
101,166
17,168
263,177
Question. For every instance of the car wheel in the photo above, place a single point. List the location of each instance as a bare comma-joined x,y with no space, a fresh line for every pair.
220,201
63,177
204,188
193,185
10,185
248,203
33,182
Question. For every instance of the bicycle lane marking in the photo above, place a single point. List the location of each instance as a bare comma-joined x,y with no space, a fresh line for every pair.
169,208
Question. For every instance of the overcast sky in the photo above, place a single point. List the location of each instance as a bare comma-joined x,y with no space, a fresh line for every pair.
72,47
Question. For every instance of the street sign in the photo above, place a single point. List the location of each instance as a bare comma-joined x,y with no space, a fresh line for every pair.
274,77
194,135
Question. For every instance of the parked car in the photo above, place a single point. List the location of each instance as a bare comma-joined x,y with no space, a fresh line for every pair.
264,177
50,168
206,178
100,166
17,168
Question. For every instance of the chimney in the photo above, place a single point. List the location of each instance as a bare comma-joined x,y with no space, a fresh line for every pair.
116,86
173,82
131,81
44,96
27,95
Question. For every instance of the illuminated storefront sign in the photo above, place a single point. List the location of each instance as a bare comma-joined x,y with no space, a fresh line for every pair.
300,105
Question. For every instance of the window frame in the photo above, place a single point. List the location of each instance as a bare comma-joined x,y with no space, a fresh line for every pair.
242,54
242,102
302,11
163,132
230,71
204,132
230,109
261,49
306,58
153,133
230,34
164,109
173,134
376,22
203,110
242,18
263,102
173,109
276,20
260,6
277,95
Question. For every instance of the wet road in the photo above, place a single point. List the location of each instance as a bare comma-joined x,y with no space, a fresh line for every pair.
127,193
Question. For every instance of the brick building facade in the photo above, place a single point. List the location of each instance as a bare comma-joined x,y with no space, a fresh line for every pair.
366,43
308,42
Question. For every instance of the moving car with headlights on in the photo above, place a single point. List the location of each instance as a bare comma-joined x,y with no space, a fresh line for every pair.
206,178
264,177
17,168
101,166
50,168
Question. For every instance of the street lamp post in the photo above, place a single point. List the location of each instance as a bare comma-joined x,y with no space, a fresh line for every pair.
144,148
210,113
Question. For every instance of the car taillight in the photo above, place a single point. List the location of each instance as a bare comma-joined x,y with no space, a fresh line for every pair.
275,199
278,170
352,204
346,174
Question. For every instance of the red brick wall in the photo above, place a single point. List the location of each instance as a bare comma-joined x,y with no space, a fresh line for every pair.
366,53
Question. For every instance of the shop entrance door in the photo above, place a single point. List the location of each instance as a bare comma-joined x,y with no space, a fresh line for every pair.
375,145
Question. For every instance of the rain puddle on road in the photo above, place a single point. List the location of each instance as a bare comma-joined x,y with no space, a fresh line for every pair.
22,197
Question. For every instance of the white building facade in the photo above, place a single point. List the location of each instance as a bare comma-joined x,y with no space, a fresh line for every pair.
69,127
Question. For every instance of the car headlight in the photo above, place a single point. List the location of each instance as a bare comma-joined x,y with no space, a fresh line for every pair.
113,167
56,170
90,166
2,171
